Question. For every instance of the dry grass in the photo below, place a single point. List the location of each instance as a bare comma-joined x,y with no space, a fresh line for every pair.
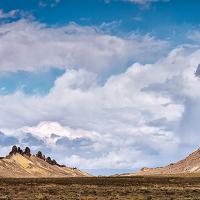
111,188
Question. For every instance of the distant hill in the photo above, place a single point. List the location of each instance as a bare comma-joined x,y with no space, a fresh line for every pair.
189,165
21,164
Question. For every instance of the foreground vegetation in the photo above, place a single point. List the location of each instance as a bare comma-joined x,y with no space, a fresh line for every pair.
101,188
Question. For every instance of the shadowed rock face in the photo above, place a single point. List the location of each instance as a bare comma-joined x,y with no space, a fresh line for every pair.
27,152
39,155
18,150
13,151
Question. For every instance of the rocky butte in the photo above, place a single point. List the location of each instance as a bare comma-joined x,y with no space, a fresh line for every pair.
22,164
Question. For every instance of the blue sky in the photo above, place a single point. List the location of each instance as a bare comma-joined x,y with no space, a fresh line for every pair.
107,86
160,20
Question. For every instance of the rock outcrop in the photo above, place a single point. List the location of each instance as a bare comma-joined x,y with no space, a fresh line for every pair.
18,150
27,152
22,164
39,155
48,159
13,151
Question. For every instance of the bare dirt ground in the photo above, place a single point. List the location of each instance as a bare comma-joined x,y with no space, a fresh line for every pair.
101,188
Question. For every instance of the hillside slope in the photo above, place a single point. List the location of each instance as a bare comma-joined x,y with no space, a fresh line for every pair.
24,166
189,165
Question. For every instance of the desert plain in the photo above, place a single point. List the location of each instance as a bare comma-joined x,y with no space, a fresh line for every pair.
101,188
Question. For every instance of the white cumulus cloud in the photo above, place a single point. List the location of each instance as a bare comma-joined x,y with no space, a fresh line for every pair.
138,117
30,46
139,112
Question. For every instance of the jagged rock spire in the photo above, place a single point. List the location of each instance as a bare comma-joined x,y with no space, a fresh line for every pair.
27,152
16,149
39,155
19,150
13,151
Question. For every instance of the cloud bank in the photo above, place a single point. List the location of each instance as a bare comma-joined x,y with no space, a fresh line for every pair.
138,116
30,46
